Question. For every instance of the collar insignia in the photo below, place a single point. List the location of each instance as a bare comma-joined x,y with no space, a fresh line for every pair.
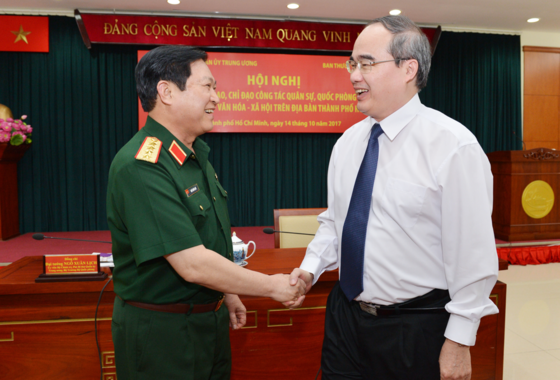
177,152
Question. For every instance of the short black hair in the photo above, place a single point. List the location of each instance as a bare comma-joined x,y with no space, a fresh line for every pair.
171,63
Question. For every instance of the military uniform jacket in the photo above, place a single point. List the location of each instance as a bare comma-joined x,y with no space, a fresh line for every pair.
162,198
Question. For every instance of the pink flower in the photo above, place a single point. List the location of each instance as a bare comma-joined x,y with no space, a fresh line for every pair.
10,119
24,117
7,127
4,137
16,126
29,129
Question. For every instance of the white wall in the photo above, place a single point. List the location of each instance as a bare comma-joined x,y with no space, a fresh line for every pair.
540,39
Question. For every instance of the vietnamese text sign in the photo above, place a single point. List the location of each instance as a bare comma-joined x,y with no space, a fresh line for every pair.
271,93
71,264
223,32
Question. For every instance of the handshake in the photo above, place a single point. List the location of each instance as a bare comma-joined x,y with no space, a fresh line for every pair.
291,289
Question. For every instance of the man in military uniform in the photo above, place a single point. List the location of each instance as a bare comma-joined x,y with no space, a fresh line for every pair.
170,228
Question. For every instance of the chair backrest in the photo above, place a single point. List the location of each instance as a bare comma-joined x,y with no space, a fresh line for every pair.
303,220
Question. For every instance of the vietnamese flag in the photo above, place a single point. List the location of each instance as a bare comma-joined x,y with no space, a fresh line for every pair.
24,33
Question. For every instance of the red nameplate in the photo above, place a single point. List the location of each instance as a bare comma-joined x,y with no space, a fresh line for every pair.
62,268
71,264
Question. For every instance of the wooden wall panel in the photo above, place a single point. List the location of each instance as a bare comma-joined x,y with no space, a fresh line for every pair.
540,121
541,106
541,144
542,73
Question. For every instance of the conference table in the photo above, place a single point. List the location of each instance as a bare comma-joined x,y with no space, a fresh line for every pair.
47,330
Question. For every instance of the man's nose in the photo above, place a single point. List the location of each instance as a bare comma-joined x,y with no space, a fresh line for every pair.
356,76
214,97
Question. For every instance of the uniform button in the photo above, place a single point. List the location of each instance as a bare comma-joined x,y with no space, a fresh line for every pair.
214,199
216,175
202,208
193,157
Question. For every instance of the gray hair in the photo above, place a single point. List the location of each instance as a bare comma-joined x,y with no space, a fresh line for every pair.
409,42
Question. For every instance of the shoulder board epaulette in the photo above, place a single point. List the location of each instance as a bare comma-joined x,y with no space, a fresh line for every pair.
149,150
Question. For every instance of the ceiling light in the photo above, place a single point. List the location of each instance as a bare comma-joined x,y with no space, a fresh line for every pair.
174,2
395,12
534,19
293,6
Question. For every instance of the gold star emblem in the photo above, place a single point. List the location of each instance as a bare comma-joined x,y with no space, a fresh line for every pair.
21,35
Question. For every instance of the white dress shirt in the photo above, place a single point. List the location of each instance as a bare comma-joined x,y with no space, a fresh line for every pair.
430,221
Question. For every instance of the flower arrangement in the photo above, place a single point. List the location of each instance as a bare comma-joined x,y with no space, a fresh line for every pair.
15,132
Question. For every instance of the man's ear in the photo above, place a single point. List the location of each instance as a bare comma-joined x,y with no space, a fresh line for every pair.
411,66
165,92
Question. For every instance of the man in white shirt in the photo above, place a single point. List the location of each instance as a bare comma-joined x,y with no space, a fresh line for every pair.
414,287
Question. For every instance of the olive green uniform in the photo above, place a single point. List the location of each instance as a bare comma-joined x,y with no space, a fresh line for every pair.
155,209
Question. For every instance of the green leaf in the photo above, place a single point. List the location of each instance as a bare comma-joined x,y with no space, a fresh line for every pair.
16,140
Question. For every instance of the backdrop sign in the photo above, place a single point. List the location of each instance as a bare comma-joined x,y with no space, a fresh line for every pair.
280,93
161,30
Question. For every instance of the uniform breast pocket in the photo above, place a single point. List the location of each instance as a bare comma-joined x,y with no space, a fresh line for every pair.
199,207
403,201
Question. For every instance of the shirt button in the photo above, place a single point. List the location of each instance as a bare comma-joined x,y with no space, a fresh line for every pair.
202,208
214,199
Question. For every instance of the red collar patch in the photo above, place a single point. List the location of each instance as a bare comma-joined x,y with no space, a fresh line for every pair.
177,152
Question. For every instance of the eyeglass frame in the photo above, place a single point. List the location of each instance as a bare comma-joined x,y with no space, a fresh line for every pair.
371,64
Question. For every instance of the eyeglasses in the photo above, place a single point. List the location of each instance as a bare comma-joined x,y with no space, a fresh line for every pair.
366,66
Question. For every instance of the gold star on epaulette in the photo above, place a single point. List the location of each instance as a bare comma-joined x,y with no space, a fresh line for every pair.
149,150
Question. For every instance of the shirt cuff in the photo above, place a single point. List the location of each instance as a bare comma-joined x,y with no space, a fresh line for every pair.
312,264
461,330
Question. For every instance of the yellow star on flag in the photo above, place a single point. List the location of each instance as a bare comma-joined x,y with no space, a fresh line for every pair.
21,35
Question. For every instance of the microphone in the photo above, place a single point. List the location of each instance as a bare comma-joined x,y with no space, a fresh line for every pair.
41,237
269,230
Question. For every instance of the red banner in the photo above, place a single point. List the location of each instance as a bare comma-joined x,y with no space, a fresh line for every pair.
24,33
271,93
160,30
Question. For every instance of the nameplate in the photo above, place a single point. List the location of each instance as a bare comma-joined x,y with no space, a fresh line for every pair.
63,268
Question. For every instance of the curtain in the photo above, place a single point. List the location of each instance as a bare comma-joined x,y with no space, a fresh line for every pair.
82,105
476,80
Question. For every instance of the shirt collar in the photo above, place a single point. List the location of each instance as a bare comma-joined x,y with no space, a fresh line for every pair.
394,123
155,129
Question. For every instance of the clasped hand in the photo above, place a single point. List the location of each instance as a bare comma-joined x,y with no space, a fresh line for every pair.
285,292
297,277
